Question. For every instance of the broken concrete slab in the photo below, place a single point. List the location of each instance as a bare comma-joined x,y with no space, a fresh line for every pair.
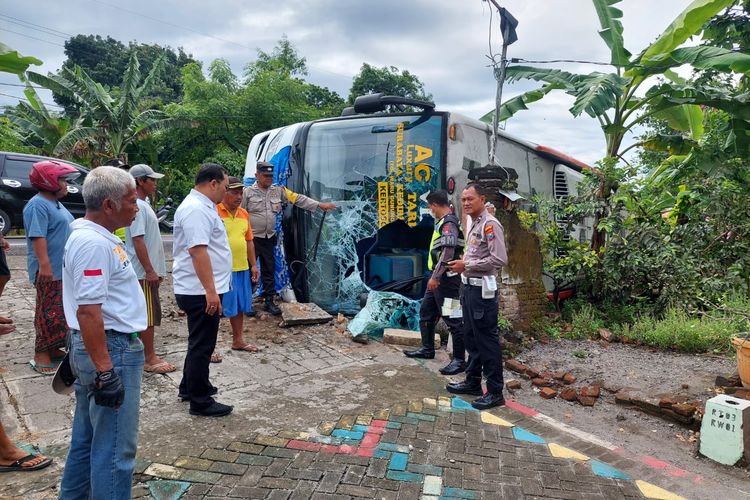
405,337
299,313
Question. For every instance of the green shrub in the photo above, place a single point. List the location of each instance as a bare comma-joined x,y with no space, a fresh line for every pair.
585,322
680,331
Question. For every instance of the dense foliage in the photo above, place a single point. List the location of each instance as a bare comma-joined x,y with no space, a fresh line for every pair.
159,106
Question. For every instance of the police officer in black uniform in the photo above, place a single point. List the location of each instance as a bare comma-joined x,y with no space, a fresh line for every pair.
484,255
443,286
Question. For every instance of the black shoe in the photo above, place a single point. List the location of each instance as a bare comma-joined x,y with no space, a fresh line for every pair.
271,307
465,387
422,352
454,367
250,314
214,410
214,390
488,401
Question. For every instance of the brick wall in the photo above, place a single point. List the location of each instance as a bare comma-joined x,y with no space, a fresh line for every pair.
523,298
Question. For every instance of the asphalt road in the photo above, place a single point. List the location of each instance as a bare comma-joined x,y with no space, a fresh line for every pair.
18,243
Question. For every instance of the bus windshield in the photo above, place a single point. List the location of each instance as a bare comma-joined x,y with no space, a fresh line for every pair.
378,170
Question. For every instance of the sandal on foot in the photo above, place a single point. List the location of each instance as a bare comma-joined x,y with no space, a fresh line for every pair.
246,348
6,328
216,358
160,368
17,466
4,320
43,368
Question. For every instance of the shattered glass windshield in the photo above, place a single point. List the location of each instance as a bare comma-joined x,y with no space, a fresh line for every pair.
378,170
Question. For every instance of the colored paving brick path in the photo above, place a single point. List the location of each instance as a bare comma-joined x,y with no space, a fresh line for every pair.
429,449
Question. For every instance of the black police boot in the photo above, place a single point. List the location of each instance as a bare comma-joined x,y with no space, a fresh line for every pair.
488,401
271,307
427,351
468,386
455,367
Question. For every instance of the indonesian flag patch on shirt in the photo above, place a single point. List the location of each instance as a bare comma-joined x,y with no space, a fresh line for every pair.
92,272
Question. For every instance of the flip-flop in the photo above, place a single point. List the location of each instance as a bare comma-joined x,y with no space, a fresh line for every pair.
160,368
216,358
246,348
6,328
4,320
17,466
40,367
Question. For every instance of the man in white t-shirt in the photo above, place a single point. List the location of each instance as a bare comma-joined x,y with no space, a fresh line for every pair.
201,273
146,252
105,310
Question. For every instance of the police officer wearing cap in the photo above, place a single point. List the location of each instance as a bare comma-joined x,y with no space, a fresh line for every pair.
484,256
443,285
264,201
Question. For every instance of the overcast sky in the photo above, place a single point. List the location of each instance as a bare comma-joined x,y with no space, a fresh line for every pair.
444,42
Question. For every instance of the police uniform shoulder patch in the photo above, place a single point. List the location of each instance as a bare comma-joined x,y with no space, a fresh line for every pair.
446,229
489,231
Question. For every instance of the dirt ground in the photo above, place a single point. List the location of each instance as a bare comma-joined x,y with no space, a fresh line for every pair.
623,366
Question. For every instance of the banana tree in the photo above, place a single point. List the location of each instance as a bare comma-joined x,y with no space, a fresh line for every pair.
109,122
617,100
13,62
38,126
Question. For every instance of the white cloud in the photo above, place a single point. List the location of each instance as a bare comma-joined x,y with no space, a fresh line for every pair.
444,42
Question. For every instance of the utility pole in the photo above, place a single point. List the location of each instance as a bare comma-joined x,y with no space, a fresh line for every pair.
508,25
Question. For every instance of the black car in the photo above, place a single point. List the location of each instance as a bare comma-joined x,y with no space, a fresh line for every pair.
16,189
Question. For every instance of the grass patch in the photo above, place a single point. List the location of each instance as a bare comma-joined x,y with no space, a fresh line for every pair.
580,354
678,330
585,322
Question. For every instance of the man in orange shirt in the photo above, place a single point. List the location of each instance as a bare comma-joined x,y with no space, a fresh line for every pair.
239,299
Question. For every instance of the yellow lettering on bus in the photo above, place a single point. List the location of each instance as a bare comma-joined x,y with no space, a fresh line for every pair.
422,153
422,172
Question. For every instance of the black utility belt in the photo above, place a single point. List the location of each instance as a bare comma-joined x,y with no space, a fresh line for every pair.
112,332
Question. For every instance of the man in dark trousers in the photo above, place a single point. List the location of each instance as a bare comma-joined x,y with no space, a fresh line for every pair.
202,273
484,256
441,298
263,201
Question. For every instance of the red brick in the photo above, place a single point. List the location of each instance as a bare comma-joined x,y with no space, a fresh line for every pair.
559,375
590,392
376,430
532,373
622,397
329,448
347,449
516,366
548,393
667,403
513,384
365,452
586,400
296,444
370,440
569,378
684,409
540,382
378,423
605,334
569,394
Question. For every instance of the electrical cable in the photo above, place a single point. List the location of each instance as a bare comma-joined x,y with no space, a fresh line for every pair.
135,13
38,27
25,99
32,37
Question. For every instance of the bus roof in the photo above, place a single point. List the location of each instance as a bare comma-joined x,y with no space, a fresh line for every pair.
541,150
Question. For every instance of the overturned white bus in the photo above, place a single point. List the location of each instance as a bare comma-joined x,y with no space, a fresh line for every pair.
378,167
